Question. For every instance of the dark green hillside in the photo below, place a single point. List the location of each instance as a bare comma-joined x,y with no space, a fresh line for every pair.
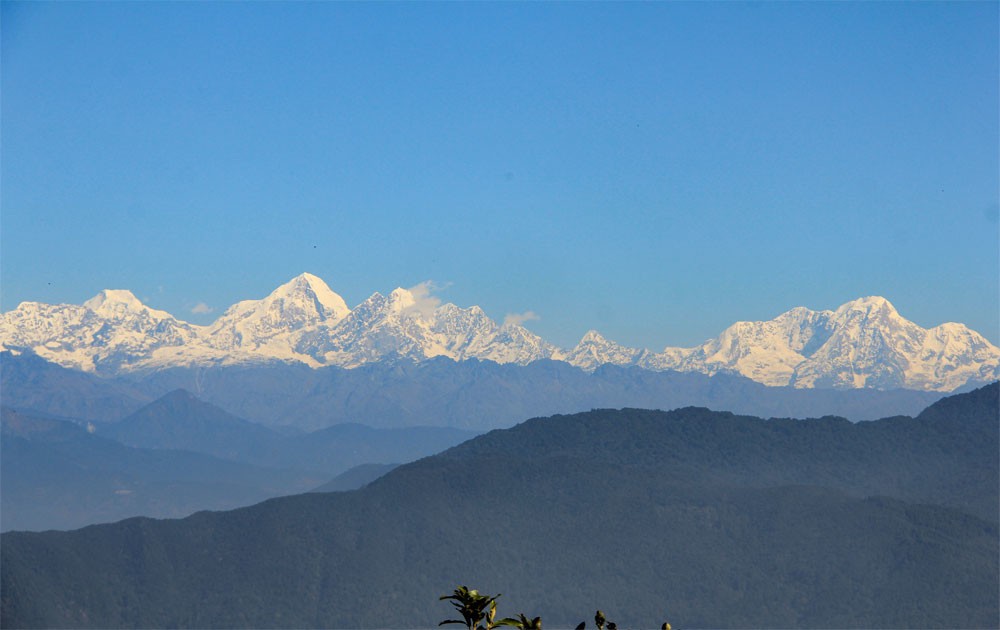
948,455
708,519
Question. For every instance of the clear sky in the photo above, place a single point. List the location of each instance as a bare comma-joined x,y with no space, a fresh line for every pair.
653,171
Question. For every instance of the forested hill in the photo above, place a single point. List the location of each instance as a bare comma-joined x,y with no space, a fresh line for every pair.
706,518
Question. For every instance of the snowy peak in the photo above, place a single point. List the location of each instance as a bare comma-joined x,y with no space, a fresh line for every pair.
592,338
862,343
114,298
275,324
118,304
594,350
403,301
869,311
310,294
871,305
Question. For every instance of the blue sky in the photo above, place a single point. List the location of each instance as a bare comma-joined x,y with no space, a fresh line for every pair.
654,171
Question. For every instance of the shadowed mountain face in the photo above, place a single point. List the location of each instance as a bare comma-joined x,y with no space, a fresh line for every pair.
708,519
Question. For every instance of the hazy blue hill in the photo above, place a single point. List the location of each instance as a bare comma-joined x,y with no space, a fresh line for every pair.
179,420
177,455
31,383
477,395
483,395
56,475
356,477
708,519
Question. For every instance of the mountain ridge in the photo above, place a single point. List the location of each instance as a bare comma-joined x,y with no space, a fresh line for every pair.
744,522
864,343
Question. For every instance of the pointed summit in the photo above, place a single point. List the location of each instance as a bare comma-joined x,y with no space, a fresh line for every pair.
871,305
402,299
110,300
120,304
595,350
305,288
592,336
273,325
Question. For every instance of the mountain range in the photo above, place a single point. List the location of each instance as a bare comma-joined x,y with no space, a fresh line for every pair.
706,519
477,395
864,343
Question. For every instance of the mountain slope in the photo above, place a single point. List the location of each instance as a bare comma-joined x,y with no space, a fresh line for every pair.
178,420
355,478
775,529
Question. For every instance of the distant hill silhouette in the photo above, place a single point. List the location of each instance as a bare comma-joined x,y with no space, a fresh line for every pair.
180,420
177,455
476,395
706,518
56,475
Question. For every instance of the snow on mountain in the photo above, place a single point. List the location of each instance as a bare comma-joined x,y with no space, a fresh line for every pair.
863,343
111,332
594,350
273,326
871,345
514,343
767,352
403,325
867,346
379,327
471,334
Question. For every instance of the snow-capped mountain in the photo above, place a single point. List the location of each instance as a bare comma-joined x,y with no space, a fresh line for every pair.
303,321
275,325
864,343
112,331
594,351
403,325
